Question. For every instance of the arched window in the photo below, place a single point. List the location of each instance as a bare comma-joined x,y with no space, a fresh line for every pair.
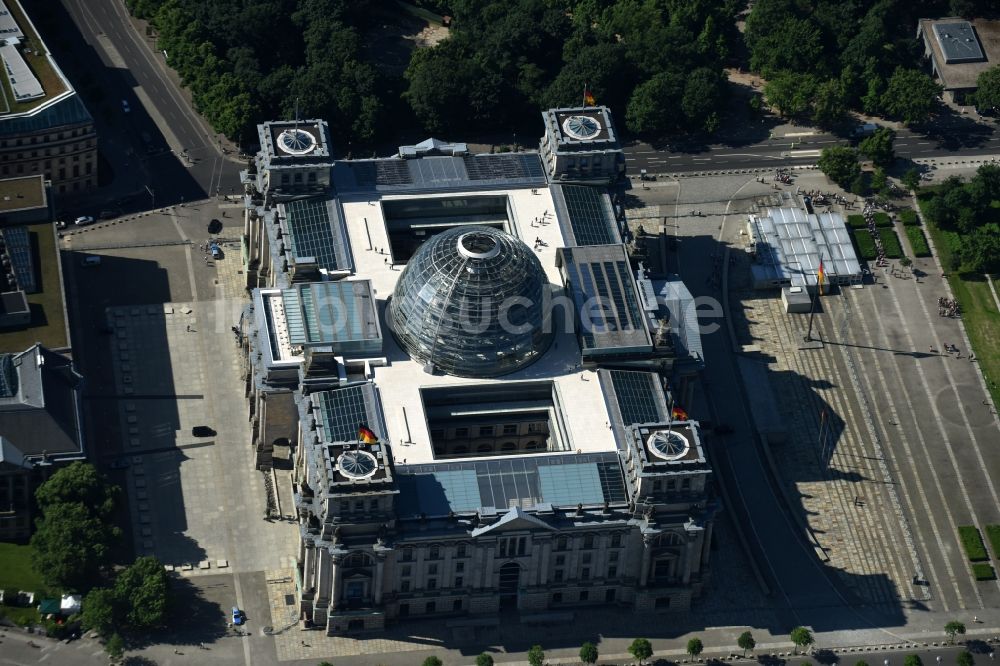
531,445
357,560
508,446
484,448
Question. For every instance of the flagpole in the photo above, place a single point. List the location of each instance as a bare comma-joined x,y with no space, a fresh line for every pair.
584,95
812,303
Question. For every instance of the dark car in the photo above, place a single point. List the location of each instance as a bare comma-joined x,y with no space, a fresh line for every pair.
202,431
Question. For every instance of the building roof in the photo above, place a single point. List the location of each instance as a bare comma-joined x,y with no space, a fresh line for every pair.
557,480
22,193
585,128
961,50
585,215
35,80
422,173
294,143
315,234
67,111
789,244
11,455
341,411
600,281
17,245
330,313
41,415
675,304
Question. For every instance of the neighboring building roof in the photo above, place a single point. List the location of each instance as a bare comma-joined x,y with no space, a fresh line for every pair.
960,50
600,280
8,26
39,409
675,303
22,193
294,143
789,244
431,173
581,128
585,215
512,481
27,62
23,82
67,111
17,242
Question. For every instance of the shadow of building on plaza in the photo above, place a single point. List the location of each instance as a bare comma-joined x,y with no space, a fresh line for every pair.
131,143
194,619
130,404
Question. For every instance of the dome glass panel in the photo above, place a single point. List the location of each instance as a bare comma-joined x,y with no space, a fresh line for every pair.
471,303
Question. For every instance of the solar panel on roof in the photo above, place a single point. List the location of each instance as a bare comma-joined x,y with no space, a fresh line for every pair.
639,396
312,233
437,488
487,167
392,172
588,215
18,241
342,411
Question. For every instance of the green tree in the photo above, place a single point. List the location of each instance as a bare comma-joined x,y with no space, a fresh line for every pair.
954,628
911,179
536,656
830,103
878,146
695,647
980,250
324,663
861,662
880,180
794,45
746,642
588,653
79,483
115,647
965,658
72,548
703,95
99,611
641,649
988,89
801,637
143,589
913,660
653,107
484,659
432,661
911,95
840,164
790,93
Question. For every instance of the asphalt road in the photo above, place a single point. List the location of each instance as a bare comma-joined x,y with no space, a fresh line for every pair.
168,146
949,136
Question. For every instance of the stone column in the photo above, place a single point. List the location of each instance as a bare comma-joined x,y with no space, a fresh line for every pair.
543,565
379,577
324,580
647,553
687,559
338,579
535,565
308,566
706,545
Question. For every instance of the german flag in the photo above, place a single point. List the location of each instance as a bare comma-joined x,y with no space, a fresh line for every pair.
366,435
820,276
588,97
678,414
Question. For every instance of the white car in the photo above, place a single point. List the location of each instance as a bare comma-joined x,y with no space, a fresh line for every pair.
125,106
82,220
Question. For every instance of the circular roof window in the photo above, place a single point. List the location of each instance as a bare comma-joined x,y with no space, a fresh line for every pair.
357,464
296,141
668,445
581,127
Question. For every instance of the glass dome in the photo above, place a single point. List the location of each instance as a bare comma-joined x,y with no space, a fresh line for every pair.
470,303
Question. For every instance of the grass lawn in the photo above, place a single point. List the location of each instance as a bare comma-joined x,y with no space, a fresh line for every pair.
983,571
890,243
48,325
856,222
972,543
865,244
918,241
979,312
16,571
882,219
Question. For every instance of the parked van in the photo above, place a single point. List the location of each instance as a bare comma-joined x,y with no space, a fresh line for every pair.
865,129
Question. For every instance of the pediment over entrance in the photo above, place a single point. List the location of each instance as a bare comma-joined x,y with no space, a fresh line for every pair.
514,520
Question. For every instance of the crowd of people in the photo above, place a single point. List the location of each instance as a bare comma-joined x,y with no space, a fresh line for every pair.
948,307
869,214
